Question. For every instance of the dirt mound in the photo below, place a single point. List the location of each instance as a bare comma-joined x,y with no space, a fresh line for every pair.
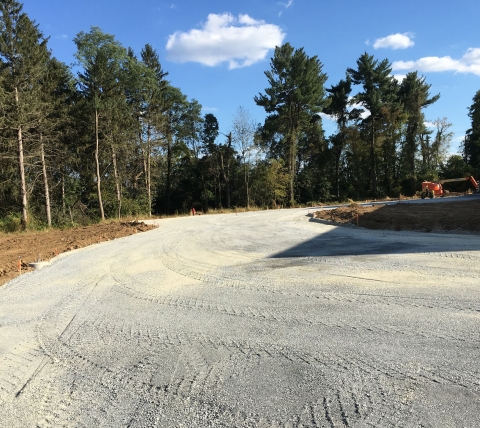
28,247
428,217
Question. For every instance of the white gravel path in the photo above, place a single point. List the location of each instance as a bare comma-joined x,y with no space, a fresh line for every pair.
261,319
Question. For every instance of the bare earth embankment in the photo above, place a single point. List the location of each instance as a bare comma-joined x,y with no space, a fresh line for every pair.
425,217
28,247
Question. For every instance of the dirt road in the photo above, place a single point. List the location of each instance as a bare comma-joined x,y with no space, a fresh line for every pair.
264,319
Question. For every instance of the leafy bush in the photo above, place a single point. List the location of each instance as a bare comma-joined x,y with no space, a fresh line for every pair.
11,223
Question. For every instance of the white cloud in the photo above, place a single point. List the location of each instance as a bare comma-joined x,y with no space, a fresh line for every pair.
359,106
327,117
62,36
209,108
352,106
399,77
287,5
468,63
395,41
429,124
241,41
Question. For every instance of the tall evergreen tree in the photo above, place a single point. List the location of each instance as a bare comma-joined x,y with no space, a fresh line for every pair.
471,146
153,110
375,78
296,94
339,107
210,164
102,58
23,62
415,96
55,98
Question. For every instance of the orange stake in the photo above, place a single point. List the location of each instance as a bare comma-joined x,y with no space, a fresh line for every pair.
357,220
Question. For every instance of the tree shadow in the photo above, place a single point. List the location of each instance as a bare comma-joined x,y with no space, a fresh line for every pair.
350,241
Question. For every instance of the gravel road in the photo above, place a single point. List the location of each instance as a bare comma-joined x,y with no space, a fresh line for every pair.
262,319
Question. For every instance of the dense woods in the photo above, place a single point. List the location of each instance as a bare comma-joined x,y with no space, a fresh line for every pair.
117,139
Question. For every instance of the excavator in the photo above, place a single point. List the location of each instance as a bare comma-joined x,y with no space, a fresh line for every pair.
431,189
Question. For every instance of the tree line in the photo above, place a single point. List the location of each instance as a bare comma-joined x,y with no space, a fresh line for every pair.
115,138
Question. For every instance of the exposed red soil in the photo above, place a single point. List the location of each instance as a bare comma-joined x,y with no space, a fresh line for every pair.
26,247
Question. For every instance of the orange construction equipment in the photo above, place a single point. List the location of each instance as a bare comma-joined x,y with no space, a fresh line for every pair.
430,189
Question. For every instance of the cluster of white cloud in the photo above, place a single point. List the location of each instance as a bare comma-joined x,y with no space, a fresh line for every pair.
399,77
240,42
395,41
468,63
359,106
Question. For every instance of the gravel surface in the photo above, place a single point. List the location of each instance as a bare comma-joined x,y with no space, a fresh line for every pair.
262,319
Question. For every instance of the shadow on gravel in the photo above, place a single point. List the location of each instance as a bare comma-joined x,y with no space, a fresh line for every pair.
340,243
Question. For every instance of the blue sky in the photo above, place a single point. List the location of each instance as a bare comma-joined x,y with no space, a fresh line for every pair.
217,51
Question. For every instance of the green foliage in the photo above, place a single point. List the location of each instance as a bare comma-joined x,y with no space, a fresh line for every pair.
414,95
456,167
11,223
293,100
118,139
471,145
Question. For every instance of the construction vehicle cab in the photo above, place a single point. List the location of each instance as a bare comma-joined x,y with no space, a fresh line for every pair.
430,189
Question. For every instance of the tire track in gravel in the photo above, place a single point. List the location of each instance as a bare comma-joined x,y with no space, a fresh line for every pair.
126,349
226,277
127,285
197,376
197,372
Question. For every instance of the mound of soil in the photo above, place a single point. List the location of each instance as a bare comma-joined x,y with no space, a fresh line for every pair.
28,247
429,217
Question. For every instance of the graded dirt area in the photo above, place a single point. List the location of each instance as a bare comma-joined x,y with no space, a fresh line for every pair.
447,215
28,247
265,319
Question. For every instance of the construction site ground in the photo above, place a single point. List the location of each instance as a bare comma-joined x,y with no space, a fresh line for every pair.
28,247
446,215
261,319
451,216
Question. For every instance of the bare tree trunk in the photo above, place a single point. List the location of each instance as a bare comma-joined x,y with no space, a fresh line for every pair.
21,167
117,184
373,166
291,167
144,164
337,174
45,183
148,176
246,181
63,195
169,172
226,179
97,165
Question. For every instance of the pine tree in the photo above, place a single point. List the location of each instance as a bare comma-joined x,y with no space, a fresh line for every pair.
339,108
23,61
153,110
471,146
375,78
414,95
56,95
102,58
296,94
